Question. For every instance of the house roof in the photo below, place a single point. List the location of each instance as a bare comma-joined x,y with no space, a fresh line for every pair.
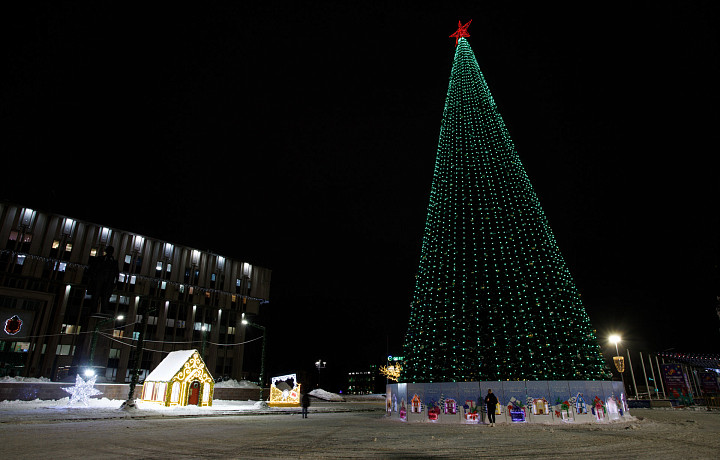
170,366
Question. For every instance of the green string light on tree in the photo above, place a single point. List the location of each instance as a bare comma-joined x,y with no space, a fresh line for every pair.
493,298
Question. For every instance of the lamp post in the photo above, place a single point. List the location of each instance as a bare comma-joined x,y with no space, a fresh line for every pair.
617,359
262,357
320,364
203,330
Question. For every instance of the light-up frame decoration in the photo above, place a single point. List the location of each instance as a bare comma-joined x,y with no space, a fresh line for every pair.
284,398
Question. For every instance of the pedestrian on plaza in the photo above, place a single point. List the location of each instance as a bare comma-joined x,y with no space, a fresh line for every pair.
491,402
305,404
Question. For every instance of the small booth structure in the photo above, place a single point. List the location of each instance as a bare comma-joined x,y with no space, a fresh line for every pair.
181,379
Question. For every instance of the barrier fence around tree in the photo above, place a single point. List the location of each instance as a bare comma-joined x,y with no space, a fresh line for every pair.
541,401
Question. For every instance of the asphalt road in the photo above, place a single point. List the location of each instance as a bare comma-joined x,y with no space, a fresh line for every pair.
352,435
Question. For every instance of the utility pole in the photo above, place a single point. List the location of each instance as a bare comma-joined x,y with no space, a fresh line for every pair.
137,361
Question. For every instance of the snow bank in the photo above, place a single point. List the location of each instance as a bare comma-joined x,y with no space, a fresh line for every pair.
23,379
326,395
103,408
236,384
102,403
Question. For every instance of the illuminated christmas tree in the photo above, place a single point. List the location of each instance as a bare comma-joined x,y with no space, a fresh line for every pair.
493,297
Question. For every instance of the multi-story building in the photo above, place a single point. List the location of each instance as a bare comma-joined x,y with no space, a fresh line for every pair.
364,382
51,326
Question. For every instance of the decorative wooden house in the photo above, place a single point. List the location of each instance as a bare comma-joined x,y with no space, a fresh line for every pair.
416,404
181,379
450,406
540,407
580,406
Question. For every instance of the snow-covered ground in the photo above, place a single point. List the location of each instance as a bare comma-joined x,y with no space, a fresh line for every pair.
335,429
654,434
103,408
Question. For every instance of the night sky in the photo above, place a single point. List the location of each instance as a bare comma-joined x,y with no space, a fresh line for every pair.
302,138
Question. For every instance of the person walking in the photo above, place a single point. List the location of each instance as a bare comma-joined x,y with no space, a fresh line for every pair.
305,404
491,402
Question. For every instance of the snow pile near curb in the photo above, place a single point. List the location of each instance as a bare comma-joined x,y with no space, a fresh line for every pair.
326,395
24,379
101,403
236,384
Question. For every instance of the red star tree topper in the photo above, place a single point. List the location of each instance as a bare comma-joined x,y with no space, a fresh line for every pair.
461,32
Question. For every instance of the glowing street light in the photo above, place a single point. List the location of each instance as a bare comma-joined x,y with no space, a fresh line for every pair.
320,364
617,359
262,357
93,344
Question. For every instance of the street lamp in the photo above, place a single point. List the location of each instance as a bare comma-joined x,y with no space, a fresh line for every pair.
203,330
617,359
90,371
262,358
320,364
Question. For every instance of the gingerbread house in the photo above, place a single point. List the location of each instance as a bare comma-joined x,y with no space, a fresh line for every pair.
181,379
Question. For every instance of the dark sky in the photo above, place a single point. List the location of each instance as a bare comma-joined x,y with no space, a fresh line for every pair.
302,138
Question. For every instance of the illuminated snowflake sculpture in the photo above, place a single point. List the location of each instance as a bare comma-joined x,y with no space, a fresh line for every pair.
82,390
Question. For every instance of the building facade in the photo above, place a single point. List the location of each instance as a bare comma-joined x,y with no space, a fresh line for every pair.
365,382
51,326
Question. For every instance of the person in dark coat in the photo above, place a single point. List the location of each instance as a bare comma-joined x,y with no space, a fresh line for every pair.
491,401
305,404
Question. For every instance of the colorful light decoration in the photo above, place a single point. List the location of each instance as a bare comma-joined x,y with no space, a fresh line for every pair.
461,32
13,325
284,397
392,372
493,296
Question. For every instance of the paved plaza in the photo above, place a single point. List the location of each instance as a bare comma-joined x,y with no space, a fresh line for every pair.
346,431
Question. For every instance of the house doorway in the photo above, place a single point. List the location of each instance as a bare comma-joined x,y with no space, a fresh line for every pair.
194,393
